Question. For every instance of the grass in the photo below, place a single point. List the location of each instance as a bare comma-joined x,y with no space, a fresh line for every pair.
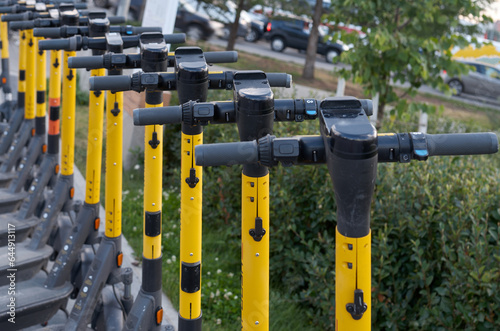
220,237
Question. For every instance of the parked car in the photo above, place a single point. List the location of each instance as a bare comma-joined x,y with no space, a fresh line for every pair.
135,9
482,80
105,3
293,32
223,12
196,25
257,26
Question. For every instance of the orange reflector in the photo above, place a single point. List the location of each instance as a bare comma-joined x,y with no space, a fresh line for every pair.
44,148
4,80
54,102
53,127
119,259
159,315
56,169
32,132
97,223
71,192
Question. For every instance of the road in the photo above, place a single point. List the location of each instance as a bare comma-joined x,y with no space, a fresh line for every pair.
262,48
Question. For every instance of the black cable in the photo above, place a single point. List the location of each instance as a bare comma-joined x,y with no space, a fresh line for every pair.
120,303
65,311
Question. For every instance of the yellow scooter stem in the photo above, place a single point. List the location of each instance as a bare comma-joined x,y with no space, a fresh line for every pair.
30,97
21,83
114,147
68,116
153,174
255,253
54,102
94,143
191,227
352,272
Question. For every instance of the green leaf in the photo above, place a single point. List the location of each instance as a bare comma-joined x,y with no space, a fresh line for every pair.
442,19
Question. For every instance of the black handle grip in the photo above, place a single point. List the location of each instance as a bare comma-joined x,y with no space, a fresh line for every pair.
158,115
462,143
142,29
111,83
227,154
221,57
7,9
47,32
80,5
175,38
21,25
87,62
8,2
279,79
57,44
15,17
116,19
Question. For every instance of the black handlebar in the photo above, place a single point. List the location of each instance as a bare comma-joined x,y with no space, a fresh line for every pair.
462,143
70,31
129,29
119,83
14,7
279,79
221,57
47,32
401,147
227,154
130,61
57,44
158,115
167,81
47,22
16,17
95,62
116,19
21,25
175,38
202,113
88,62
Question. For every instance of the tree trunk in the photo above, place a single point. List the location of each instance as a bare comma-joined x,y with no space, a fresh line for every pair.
233,34
312,44
123,8
383,101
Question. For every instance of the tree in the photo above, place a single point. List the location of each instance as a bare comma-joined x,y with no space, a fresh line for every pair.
406,42
312,44
233,32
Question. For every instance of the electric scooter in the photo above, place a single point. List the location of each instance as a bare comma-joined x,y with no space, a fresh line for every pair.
16,118
24,221
27,217
191,70
252,108
87,222
350,147
106,268
34,253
